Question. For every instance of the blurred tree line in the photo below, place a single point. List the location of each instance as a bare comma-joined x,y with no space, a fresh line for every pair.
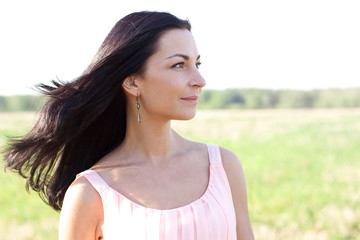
249,98
253,98
21,103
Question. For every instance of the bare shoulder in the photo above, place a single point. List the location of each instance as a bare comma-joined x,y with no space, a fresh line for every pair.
231,163
234,172
82,212
236,177
81,194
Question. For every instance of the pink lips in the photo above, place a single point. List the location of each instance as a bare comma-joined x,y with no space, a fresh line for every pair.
191,99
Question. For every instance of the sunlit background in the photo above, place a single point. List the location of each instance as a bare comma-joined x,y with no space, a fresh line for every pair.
299,149
277,44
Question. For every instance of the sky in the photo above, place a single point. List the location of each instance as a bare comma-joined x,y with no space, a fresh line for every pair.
277,44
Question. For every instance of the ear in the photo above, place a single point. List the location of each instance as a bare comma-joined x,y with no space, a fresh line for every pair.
131,85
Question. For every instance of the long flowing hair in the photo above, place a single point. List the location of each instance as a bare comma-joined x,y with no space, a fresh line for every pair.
85,119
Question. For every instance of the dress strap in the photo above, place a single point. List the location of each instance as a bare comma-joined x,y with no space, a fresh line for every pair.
95,180
214,153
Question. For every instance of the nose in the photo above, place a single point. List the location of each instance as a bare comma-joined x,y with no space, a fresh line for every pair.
198,80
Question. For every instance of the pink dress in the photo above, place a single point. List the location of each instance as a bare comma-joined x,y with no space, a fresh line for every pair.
212,216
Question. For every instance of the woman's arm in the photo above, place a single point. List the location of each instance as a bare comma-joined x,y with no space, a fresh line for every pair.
236,177
82,212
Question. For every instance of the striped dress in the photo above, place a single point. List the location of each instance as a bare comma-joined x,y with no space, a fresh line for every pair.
211,217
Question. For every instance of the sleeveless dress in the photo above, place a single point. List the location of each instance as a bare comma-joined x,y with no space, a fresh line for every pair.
211,217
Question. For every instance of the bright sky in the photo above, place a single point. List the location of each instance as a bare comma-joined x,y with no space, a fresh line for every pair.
301,44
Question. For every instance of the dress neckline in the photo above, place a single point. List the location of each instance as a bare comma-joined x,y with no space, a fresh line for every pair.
203,196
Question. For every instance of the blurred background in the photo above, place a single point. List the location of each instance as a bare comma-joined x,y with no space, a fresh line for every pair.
276,44
283,93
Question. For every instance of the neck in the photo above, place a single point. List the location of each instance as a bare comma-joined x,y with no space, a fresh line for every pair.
152,141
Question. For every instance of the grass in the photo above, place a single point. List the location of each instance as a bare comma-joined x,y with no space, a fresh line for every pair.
302,169
22,215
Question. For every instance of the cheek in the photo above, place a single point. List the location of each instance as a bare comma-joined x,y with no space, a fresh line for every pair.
163,86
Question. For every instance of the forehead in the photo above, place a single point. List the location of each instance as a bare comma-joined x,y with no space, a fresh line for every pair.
177,41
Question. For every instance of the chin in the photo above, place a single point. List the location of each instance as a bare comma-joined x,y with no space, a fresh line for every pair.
185,116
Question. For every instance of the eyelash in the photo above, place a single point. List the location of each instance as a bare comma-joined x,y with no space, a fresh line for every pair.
182,65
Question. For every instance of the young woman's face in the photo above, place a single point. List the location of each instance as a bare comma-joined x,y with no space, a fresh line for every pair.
171,83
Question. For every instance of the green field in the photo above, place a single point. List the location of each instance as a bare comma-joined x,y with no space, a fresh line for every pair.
302,169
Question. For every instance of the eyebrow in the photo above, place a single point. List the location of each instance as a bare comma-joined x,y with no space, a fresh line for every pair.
182,56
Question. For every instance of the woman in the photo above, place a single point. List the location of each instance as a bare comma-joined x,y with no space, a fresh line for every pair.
105,140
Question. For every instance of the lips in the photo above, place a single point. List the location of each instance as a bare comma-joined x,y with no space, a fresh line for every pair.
191,99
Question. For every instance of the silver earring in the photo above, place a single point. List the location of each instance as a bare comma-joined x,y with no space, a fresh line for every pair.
138,108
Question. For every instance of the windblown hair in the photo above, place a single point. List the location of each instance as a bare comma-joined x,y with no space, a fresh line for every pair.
85,119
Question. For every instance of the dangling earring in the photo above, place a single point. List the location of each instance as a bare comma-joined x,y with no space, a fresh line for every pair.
138,107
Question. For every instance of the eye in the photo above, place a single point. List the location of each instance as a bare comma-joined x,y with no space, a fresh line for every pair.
178,65
198,64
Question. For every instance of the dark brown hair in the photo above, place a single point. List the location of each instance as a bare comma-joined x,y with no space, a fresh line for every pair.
85,119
